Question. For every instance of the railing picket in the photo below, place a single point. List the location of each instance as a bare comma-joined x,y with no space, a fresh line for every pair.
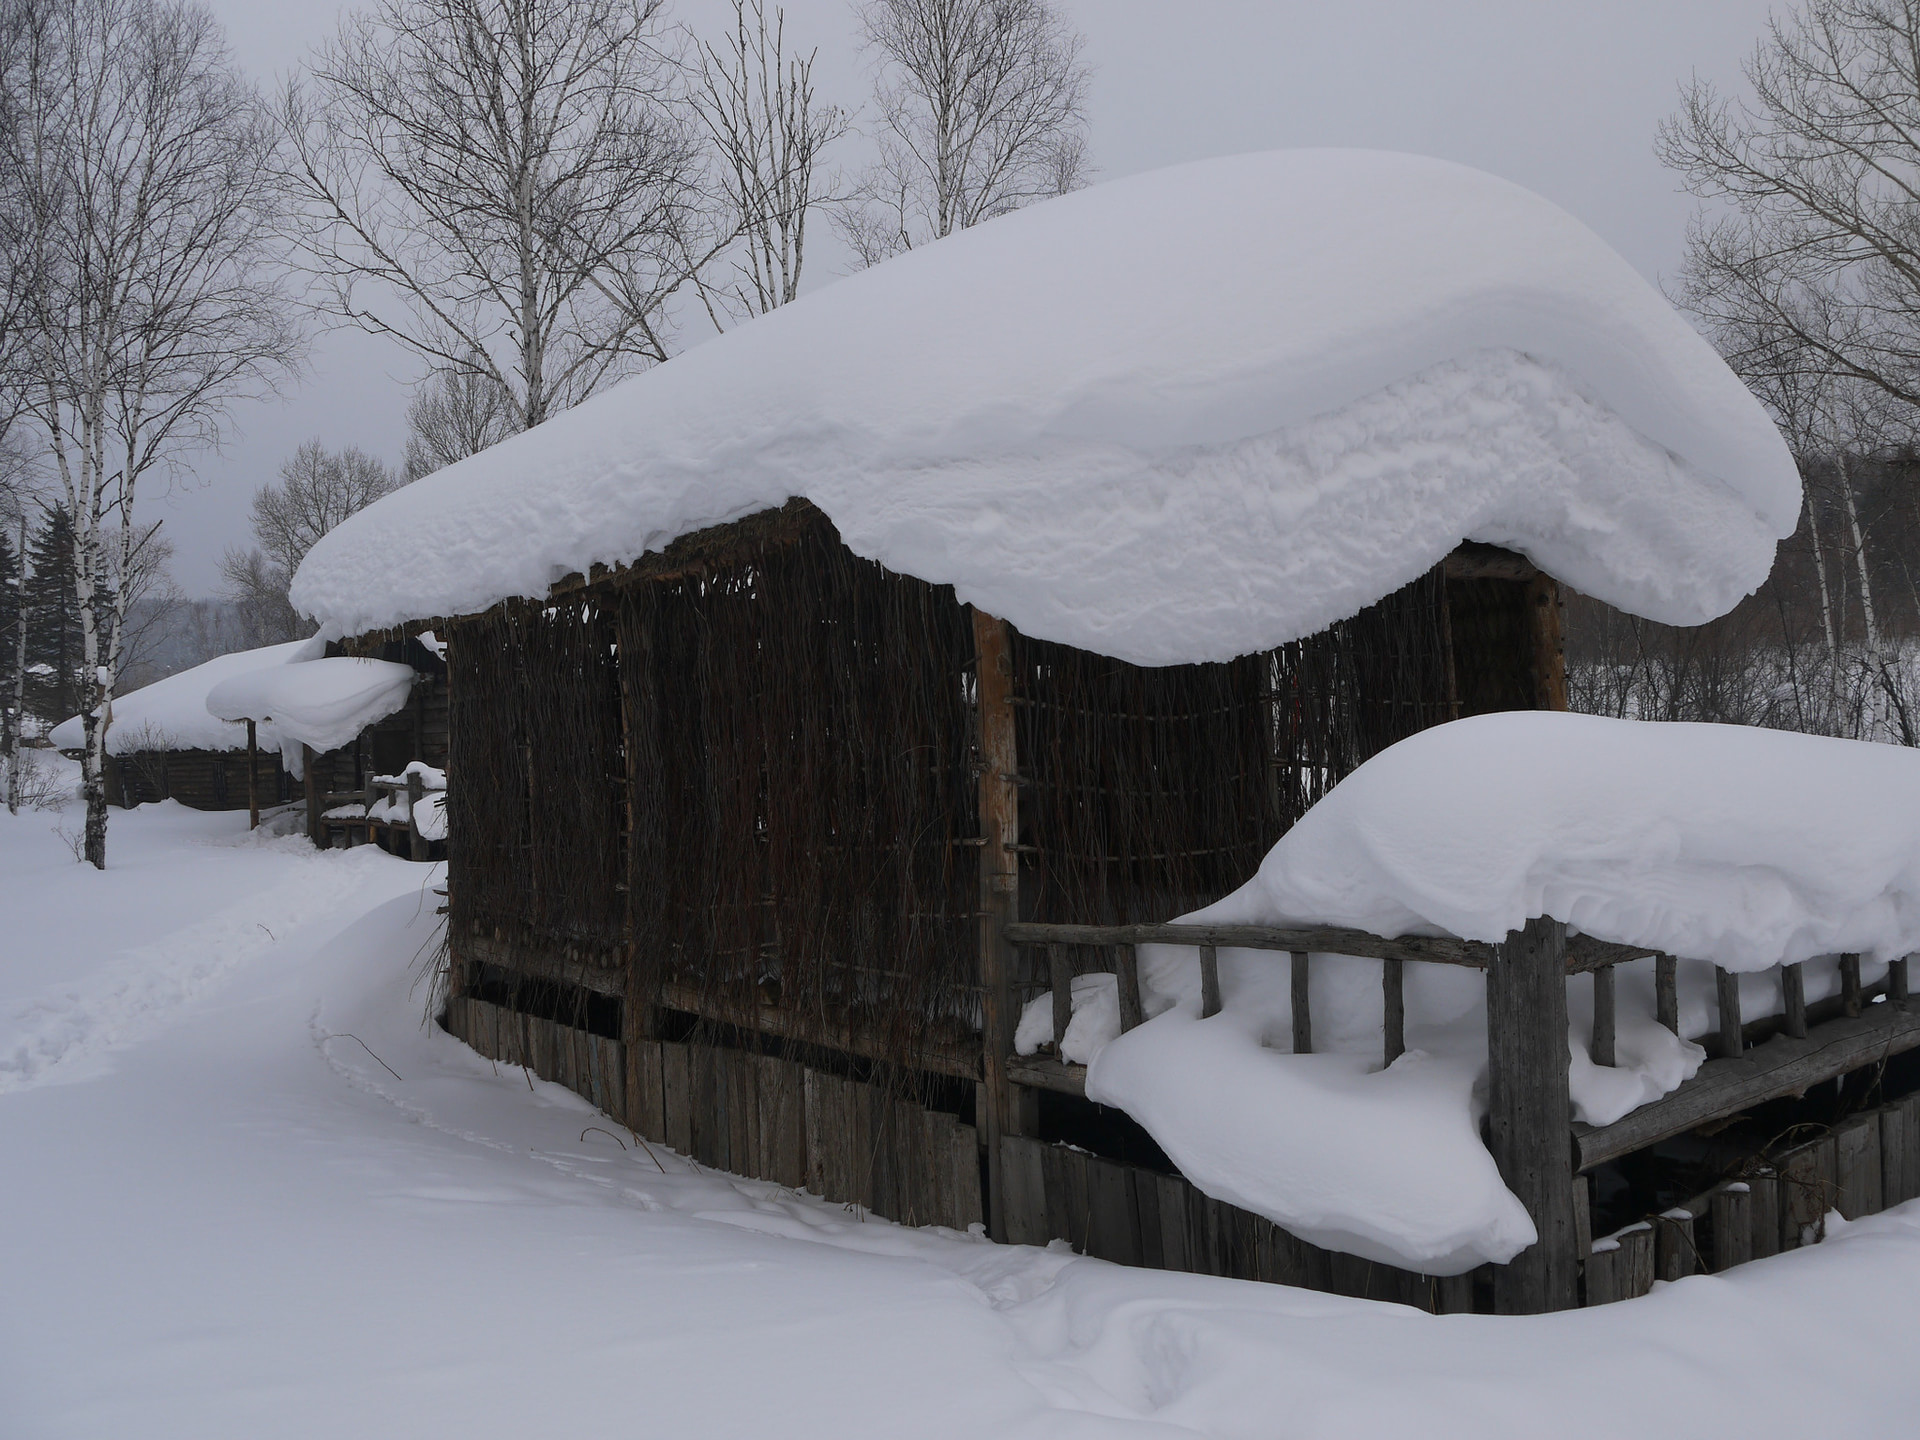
1394,996
1209,982
1793,994
1128,970
1666,991
1060,970
1302,1012
1850,985
1603,1024
1727,986
1897,983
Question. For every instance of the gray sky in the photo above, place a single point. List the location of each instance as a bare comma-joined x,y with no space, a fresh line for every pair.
1559,95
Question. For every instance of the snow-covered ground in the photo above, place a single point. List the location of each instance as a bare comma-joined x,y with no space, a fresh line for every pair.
220,1216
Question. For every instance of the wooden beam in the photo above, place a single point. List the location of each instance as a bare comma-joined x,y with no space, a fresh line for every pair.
1472,560
1602,1047
1039,1072
1793,994
1302,1005
1782,1066
1209,982
1727,991
253,779
1528,1106
999,890
1393,1009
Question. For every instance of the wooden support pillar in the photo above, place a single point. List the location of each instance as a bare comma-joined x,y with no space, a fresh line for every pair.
1603,1023
1127,972
1060,972
253,778
1393,975
999,806
1793,994
1302,1006
310,778
416,792
1209,982
1727,989
1666,991
1529,1113
1544,607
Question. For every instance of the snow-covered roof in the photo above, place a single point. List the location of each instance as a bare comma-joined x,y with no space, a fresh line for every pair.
171,714
1180,416
322,703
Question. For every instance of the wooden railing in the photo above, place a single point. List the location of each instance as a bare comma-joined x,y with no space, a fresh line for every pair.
410,785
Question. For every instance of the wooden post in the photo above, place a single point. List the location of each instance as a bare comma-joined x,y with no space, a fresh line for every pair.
1393,977
1060,968
1549,645
1529,1113
1209,982
1727,988
1850,985
1603,1026
1793,993
1666,991
999,805
1302,1006
416,792
1732,1226
1127,972
311,779
253,779
1897,983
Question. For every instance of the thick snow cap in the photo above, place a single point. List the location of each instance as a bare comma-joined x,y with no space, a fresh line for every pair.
1176,417
171,714
320,703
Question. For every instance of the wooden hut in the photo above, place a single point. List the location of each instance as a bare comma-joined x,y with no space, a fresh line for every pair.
764,822
163,745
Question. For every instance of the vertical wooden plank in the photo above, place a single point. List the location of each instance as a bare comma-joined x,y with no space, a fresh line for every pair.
1146,1209
1636,1246
1727,990
1065,1172
1113,1224
647,1097
1393,985
1893,1157
967,1208
253,779
813,1101
1910,1110
857,1108
1583,1216
676,1095
1549,646
1857,1162
1807,1183
999,885
1528,1110
1171,1207
1026,1197
1605,1270
416,792
1453,1294
1666,991
1793,993
1764,1188
1127,971
1897,993
1302,1005
1602,1046
1732,1225
1209,982
1850,985
1060,974
782,1155
1675,1254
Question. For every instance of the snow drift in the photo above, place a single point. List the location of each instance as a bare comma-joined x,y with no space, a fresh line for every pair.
319,703
1086,430
171,714
1723,844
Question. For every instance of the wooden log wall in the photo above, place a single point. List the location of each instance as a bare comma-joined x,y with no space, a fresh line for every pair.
759,1116
198,779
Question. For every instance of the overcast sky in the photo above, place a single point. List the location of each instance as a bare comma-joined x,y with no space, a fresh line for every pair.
1559,95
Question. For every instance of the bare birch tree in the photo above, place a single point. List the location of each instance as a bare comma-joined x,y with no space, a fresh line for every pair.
982,107
152,306
318,489
758,107
510,188
454,414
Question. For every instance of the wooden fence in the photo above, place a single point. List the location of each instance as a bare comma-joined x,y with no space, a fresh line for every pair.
760,1116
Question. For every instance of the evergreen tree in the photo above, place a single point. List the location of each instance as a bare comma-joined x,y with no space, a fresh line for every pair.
54,647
